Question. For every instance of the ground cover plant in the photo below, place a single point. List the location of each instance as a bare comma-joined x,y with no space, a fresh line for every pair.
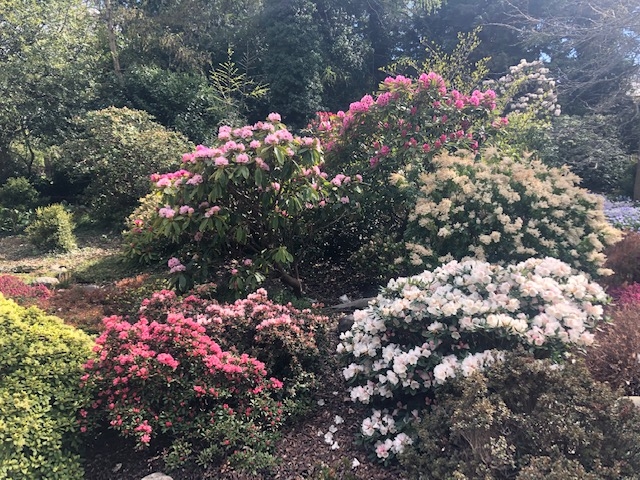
622,213
25,295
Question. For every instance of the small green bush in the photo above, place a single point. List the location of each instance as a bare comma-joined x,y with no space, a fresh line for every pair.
40,367
52,230
527,419
17,192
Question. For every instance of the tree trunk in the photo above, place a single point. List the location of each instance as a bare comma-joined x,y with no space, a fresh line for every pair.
113,47
636,186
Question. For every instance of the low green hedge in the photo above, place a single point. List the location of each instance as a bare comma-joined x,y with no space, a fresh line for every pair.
40,368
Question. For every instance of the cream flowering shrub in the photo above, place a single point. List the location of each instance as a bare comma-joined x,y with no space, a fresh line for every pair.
453,321
502,209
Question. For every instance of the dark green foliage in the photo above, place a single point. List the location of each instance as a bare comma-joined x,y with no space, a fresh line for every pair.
52,229
527,419
113,153
17,199
182,101
592,149
293,60
40,369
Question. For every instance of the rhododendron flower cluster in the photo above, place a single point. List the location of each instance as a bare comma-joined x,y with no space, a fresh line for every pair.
453,321
406,117
502,209
287,340
250,195
171,379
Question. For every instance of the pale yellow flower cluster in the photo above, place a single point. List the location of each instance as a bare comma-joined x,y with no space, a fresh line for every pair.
501,209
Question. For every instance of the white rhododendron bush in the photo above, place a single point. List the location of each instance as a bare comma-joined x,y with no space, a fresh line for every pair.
456,320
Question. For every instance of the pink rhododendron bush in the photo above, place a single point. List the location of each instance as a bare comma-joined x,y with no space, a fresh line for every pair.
248,200
189,373
458,319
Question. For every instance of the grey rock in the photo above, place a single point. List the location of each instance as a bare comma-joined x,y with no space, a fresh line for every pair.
157,476
634,400
356,304
345,323
46,281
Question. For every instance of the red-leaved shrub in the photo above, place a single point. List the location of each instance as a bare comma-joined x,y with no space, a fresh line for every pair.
25,295
615,358
624,259
627,295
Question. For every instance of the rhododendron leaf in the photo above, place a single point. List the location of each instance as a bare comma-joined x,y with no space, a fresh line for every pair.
241,236
280,155
259,177
243,171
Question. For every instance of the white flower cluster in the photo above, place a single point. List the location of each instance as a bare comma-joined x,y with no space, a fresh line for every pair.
383,424
527,88
456,320
505,210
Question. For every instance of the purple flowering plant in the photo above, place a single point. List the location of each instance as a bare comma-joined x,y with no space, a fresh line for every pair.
623,213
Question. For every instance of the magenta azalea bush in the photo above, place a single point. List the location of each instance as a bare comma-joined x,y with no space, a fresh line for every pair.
290,342
458,319
247,200
172,382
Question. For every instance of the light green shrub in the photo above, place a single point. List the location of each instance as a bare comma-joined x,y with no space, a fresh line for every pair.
40,367
52,229
17,192
503,209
